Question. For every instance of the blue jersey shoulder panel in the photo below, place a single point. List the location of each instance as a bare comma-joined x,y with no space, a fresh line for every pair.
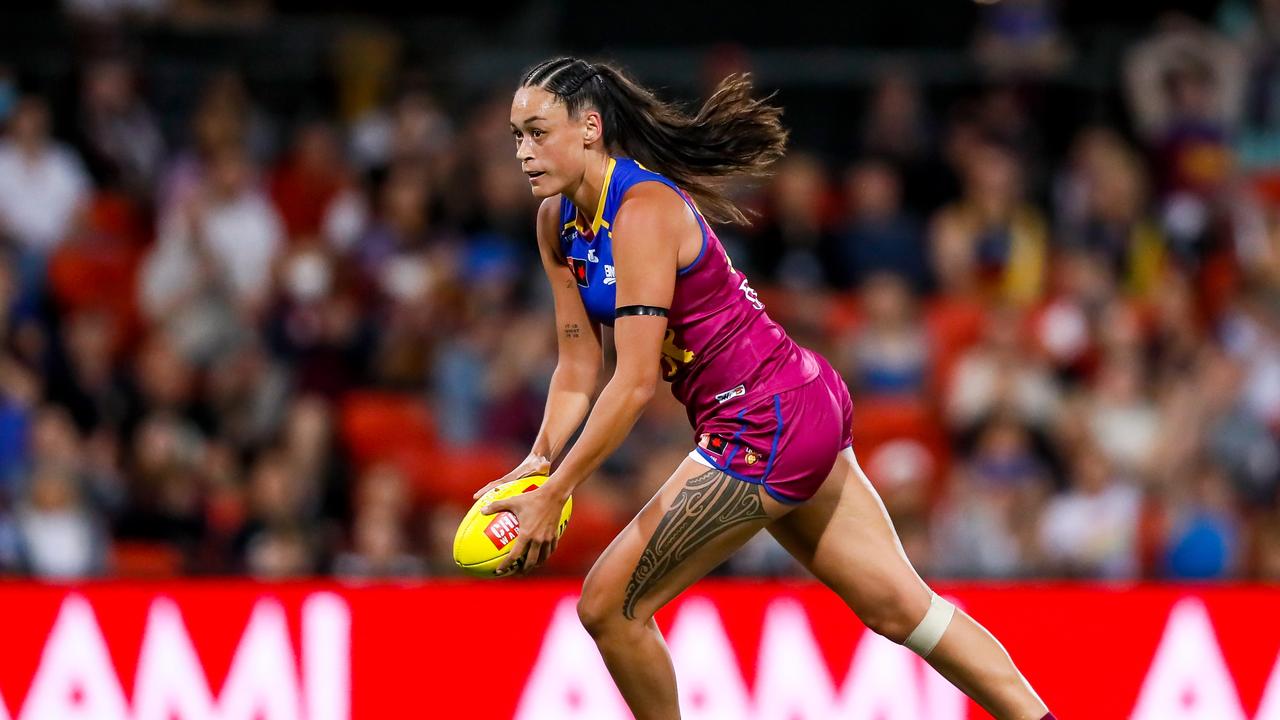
587,243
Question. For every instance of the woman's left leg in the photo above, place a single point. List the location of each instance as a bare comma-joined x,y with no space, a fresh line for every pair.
845,537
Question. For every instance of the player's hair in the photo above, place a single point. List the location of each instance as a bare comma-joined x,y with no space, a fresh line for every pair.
733,134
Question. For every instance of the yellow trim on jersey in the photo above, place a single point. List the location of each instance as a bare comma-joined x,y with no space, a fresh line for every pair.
599,221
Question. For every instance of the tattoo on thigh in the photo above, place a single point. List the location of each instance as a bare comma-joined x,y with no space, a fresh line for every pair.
705,507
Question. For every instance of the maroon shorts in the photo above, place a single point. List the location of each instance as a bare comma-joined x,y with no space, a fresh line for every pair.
786,442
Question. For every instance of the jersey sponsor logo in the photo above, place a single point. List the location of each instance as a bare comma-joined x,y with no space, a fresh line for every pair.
731,394
579,268
591,255
610,276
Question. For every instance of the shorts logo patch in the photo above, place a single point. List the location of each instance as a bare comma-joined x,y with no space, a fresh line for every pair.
714,444
731,394
752,457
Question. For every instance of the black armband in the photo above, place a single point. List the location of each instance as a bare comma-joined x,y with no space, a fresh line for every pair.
626,310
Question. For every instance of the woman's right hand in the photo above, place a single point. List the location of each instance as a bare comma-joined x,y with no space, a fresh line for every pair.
531,465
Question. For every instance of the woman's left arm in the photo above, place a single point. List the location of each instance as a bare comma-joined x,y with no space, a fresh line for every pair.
646,239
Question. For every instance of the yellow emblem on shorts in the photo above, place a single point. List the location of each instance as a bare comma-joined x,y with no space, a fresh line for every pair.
752,457
673,356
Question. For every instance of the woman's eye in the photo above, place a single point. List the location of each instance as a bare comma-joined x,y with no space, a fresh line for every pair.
536,134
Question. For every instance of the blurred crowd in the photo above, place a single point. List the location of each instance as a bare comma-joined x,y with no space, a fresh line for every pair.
287,346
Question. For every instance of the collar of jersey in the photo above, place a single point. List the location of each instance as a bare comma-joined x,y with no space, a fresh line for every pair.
599,220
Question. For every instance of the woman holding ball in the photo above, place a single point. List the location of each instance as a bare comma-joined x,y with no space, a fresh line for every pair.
628,185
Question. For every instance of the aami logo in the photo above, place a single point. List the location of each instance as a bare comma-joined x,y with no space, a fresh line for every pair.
793,678
579,268
271,677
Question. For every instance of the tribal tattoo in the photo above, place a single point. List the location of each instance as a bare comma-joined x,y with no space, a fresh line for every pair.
707,506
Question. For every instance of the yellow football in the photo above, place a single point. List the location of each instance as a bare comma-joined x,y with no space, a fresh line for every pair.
483,541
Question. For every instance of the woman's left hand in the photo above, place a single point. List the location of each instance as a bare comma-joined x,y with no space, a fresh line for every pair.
538,515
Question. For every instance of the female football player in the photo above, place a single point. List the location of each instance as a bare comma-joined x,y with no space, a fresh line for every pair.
628,185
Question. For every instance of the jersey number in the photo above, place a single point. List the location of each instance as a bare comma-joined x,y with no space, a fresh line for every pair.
750,294
746,289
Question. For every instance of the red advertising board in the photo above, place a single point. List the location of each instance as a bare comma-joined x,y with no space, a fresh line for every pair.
511,649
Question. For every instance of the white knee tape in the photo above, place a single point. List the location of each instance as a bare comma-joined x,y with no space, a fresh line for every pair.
925,637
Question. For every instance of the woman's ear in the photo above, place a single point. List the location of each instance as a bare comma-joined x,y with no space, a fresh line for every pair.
592,128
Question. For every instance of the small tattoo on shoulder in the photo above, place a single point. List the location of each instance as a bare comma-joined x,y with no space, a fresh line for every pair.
571,330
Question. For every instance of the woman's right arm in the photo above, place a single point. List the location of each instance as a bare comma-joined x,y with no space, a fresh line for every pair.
579,352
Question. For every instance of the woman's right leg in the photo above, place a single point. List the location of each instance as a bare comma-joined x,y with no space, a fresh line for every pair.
696,520
845,537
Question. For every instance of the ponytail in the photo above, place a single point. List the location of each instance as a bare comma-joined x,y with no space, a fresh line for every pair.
733,134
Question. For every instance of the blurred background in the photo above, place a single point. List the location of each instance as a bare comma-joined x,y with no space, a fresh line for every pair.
270,303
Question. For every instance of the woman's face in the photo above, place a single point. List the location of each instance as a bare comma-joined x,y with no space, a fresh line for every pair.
550,145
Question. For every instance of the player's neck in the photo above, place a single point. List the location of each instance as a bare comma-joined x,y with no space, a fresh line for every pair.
586,196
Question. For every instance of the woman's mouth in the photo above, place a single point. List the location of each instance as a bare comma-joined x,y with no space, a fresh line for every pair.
535,175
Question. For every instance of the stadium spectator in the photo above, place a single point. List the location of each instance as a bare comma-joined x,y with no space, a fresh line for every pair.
878,234
793,243
1204,541
43,186
889,354
209,276
58,534
991,507
1091,530
313,191
1020,37
1007,237
1101,206
118,133
999,375
1185,87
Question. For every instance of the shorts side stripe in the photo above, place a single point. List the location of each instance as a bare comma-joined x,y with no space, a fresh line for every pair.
773,450
728,460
